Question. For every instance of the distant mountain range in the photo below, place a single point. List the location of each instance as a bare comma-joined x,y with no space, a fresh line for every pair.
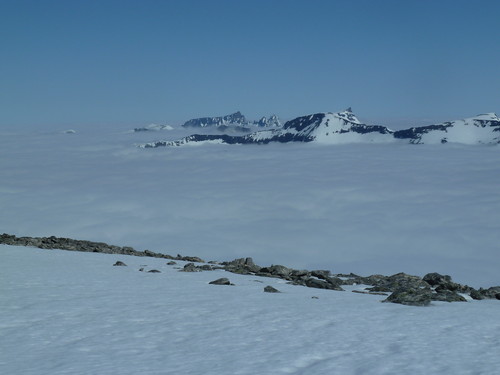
344,127
233,120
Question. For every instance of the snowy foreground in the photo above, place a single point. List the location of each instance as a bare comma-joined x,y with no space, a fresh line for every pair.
74,313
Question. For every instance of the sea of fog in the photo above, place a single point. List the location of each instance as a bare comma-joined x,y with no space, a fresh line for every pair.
358,208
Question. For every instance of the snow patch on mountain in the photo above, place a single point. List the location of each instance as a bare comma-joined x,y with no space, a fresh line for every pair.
481,129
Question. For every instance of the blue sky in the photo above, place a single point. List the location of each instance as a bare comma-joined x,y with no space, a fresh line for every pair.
133,62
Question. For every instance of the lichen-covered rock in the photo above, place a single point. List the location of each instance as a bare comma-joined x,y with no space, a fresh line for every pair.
411,297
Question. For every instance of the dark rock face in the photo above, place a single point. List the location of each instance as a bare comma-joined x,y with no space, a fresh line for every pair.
221,281
270,289
411,297
120,264
234,118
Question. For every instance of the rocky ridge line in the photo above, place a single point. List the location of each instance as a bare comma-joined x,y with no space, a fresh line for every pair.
403,289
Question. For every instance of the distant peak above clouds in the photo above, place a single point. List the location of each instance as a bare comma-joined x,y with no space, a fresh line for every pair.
344,127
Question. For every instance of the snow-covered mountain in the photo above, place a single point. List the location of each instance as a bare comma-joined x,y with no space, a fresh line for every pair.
269,122
340,127
153,127
481,129
233,119
235,122
344,127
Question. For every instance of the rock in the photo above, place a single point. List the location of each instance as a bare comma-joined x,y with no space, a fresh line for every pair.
397,282
277,271
411,297
474,294
491,293
448,296
171,263
221,281
435,279
189,259
120,263
270,289
322,284
373,293
315,297
243,266
154,271
321,274
190,267
444,282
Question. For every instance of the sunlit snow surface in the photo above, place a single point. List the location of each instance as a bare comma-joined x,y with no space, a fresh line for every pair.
365,208
74,313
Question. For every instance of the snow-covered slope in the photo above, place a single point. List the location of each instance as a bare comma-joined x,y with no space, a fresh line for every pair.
481,129
344,127
65,313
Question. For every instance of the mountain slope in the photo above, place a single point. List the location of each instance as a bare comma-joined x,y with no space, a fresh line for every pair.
481,129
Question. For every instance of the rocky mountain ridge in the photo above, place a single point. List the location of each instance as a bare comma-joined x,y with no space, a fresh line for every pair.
234,119
344,127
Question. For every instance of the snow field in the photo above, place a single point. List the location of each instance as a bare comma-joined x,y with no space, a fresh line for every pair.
74,313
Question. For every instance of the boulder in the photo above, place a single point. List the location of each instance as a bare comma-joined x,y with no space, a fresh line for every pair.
244,266
270,289
411,297
154,271
120,264
322,284
190,267
448,296
221,281
397,282
171,263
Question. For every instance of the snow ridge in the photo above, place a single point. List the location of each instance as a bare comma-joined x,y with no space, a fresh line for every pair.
344,127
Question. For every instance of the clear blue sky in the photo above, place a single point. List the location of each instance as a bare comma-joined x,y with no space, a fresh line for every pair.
98,62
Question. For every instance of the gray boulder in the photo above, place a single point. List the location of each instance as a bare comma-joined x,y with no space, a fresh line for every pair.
411,297
221,281
190,267
270,289
447,296
244,266
120,264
